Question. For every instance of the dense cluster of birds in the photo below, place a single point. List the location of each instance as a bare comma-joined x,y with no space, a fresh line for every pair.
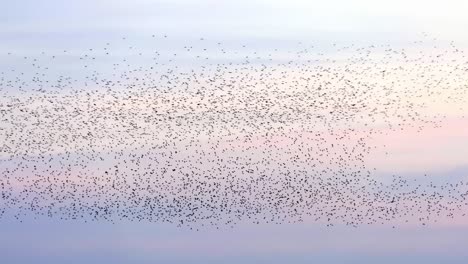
211,135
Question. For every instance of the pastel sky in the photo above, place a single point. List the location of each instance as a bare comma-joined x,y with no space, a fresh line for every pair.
29,27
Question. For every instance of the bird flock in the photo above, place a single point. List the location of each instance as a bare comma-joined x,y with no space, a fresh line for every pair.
210,134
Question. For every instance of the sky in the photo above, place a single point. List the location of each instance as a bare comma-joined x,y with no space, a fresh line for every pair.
28,27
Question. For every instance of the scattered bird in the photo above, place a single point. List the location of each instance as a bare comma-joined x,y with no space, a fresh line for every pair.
257,138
